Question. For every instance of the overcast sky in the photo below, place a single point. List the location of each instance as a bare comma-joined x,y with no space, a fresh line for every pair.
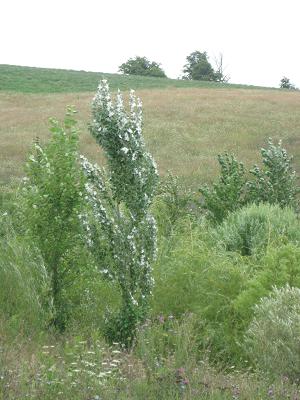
259,39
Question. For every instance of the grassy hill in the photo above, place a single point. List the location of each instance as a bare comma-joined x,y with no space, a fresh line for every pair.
44,80
185,127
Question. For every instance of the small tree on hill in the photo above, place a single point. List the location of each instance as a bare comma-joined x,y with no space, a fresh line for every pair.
286,84
142,66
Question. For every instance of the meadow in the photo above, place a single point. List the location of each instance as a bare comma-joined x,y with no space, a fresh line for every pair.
185,128
223,320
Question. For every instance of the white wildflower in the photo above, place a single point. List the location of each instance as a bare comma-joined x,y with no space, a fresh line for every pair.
125,150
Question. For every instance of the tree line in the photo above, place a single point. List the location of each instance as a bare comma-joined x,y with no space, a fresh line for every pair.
197,67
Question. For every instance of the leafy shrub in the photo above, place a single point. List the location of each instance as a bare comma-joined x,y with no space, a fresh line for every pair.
279,267
276,182
53,198
273,338
227,194
120,206
251,229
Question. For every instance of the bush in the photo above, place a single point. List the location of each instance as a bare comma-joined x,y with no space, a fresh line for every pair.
279,267
253,228
228,193
273,338
276,182
195,276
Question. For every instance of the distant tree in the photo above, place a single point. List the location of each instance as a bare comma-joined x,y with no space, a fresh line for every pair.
220,70
286,84
199,68
142,66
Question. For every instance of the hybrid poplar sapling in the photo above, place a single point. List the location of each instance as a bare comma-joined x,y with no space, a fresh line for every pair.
120,205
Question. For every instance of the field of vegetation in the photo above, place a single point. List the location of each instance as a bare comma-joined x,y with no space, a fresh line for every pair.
80,316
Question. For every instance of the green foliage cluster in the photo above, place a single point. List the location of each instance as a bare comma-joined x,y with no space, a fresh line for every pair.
221,284
172,203
227,194
253,228
143,67
279,267
274,183
199,68
285,83
53,196
273,336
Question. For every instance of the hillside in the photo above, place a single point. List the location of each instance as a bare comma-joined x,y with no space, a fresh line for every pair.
185,127
44,80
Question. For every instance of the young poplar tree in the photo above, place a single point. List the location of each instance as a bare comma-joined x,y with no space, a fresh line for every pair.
53,198
120,206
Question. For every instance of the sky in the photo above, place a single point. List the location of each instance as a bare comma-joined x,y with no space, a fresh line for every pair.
259,39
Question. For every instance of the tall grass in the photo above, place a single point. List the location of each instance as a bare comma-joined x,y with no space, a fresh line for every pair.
24,284
183,129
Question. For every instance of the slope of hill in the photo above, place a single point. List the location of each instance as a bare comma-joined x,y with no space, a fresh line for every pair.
185,129
44,80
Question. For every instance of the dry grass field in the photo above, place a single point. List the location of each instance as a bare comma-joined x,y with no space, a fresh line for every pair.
184,128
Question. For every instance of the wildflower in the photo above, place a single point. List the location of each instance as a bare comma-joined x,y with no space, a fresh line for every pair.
125,150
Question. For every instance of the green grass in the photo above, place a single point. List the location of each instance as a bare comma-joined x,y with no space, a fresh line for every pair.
45,80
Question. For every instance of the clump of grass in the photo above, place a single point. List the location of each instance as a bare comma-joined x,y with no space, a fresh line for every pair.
24,283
